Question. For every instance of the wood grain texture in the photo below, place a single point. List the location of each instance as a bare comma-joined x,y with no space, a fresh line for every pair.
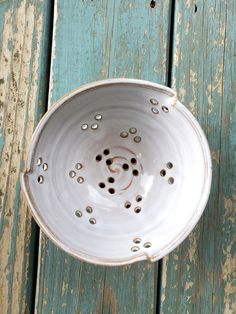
23,59
200,275
96,40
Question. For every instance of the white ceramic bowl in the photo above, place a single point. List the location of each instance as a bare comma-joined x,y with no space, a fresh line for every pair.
118,171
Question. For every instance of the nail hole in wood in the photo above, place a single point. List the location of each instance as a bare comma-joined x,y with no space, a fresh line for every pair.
152,4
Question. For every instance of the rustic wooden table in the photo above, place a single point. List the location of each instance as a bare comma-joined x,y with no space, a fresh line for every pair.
48,48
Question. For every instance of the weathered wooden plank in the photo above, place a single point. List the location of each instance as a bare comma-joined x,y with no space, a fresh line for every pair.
24,33
199,276
96,40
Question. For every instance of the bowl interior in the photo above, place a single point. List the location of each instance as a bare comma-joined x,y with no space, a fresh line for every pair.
117,172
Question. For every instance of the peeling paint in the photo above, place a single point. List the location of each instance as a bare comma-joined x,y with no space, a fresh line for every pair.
4,70
187,28
192,107
215,154
164,277
176,51
188,2
203,279
193,247
181,93
193,76
228,274
179,17
19,84
188,285
230,209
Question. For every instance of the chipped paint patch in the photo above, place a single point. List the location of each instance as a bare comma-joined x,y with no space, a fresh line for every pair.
193,247
173,82
188,2
192,108
181,93
229,209
215,154
179,18
64,288
228,275
187,28
164,277
188,285
176,50
193,76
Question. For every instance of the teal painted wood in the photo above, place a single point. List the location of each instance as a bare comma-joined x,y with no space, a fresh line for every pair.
24,33
199,276
95,40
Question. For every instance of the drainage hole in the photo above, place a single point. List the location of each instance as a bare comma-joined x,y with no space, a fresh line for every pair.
155,110
135,249
40,179
169,165
111,191
162,173
135,172
154,101
171,180
39,161
102,185
139,198
147,245
94,126
127,204
80,180
137,209
137,240
111,180
137,139
165,109
98,117
78,213
78,166
89,209
72,174
92,221
106,152
98,158
84,127
45,166
109,162
132,130
125,167
133,161
124,134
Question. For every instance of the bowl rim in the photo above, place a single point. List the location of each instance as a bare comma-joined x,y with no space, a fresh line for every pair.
189,226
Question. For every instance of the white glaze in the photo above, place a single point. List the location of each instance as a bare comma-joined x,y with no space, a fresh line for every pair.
168,211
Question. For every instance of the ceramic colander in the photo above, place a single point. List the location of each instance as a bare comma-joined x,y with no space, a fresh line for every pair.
118,171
